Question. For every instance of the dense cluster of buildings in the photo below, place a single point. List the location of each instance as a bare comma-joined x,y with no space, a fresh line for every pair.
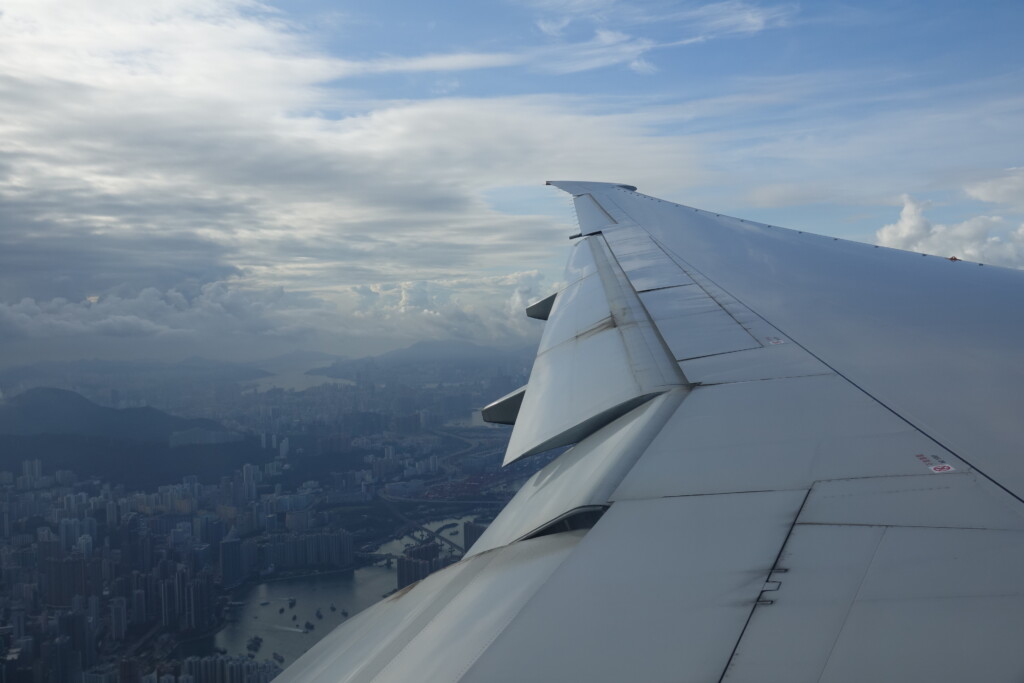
214,669
418,562
89,574
99,584
423,559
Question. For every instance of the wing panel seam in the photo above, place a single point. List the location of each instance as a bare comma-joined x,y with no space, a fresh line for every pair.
853,601
775,567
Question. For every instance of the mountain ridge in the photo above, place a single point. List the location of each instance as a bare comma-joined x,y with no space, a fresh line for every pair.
47,410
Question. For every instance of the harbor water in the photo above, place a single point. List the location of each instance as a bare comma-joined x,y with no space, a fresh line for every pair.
280,612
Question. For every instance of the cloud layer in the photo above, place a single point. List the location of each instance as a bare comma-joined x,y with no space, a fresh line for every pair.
986,239
165,159
221,177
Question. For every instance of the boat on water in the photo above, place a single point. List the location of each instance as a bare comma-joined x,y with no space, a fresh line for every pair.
264,603
291,602
333,608
279,658
319,614
309,625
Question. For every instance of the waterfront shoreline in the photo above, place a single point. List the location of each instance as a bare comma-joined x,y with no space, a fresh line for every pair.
352,589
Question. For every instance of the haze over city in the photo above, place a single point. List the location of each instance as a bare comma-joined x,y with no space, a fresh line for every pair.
237,179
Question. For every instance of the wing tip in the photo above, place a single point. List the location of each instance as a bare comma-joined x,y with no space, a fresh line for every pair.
577,187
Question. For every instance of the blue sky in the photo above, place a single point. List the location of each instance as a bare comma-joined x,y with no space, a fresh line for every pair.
234,178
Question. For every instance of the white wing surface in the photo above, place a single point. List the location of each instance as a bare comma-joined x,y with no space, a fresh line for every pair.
797,459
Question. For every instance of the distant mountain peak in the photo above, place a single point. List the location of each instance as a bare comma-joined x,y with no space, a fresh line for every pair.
47,410
50,397
430,361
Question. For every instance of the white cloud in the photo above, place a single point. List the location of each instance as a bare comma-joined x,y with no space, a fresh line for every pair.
241,50
487,310
732,17
1005,189
642,66
436,62
299,202
697,21
573,8
606,48
218,308
553,27
227,50
985,239
218,135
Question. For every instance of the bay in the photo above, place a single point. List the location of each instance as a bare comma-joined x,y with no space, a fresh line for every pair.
351,591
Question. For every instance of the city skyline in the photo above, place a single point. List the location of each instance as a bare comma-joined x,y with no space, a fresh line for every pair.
107,578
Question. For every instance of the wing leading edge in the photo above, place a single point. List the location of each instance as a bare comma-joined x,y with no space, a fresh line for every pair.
788,467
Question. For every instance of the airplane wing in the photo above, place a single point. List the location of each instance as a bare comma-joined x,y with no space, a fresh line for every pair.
796,458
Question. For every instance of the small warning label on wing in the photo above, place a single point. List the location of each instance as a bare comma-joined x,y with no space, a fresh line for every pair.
935,463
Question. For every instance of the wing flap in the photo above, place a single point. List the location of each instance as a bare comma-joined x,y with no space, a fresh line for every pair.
506,409
506,584
362,646
540,310
636,602
583,477
599,357
437,629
